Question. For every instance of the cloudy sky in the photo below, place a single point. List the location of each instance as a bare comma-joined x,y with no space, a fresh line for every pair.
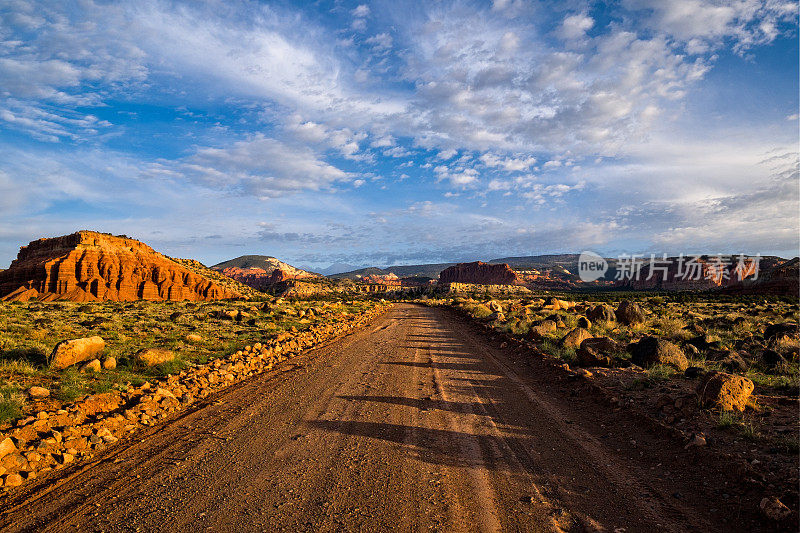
401,131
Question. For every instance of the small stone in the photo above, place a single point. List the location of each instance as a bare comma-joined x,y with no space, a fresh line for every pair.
194,337
698,440
38,392
154,356
110,363
774,509
92,366
12,480
693,372
7,446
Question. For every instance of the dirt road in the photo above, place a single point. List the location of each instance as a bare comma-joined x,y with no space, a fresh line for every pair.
418,422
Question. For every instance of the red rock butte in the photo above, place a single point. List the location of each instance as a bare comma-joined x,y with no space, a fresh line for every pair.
88,266
479,272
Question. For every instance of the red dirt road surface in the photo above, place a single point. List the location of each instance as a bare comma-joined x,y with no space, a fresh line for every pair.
419,422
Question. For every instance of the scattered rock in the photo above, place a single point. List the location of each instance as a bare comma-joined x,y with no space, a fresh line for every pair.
110,363
7,446
154,356
67,353
12,480
575,337
733,362
92,366
725,391
600,344
590,358
651,351
194,337
693,372
540,330
496,317
596,351
779,330
38,392
774,509
701,342
584,322
602,312
698,439
495,306
630,313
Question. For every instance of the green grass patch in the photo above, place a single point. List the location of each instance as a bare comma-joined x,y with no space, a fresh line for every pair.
11,403
553,348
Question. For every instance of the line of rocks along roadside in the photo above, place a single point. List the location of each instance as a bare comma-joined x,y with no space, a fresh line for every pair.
51,440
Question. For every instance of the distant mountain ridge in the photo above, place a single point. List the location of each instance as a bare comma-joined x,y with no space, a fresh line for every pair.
432,270
337,268
402,271
267,263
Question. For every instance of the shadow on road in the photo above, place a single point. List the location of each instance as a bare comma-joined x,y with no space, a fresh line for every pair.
433,446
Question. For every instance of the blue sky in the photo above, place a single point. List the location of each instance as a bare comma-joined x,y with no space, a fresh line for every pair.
401,132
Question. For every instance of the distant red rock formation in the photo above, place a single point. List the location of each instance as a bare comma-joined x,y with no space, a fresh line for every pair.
703,273
781,278
261,280
390,279
480,273
90,266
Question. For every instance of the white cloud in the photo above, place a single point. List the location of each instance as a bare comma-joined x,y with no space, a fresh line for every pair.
575,26
383,141
705,23
509,164
260,167
361,11
459,177
471,94
380,42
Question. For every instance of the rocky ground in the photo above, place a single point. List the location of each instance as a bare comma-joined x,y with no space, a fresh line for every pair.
420,421
186,333
722,374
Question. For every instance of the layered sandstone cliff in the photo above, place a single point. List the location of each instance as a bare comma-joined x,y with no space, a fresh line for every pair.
695,273
91,266
481,273
263,280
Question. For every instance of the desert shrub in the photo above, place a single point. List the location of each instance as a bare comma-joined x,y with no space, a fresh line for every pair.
11,403
660,372
551,347
71,386
16,366
519,327
740,422
479,311
170,367
671,327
